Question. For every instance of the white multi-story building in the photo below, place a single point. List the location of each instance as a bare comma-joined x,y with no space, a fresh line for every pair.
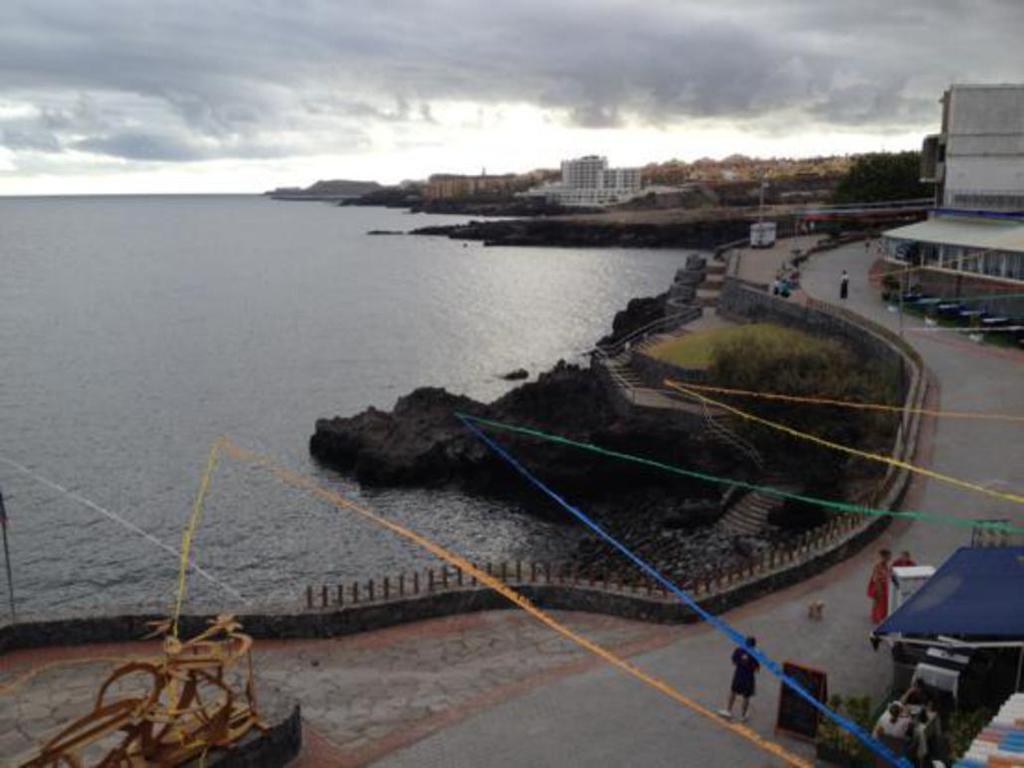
977,161
588,181
974,239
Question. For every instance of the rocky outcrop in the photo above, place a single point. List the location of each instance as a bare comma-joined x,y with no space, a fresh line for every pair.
573,232
638,313
422,442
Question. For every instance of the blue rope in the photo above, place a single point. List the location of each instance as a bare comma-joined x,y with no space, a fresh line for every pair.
736,637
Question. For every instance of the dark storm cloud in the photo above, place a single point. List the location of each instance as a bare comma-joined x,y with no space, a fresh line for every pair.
192,80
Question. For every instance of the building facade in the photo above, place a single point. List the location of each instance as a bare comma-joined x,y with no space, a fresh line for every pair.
589,182
973,241
448,186
977,160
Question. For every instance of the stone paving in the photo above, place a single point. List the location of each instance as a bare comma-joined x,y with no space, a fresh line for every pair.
361,696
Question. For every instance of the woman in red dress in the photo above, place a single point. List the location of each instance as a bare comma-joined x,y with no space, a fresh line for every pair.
878,588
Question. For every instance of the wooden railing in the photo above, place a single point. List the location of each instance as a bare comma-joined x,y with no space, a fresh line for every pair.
430,581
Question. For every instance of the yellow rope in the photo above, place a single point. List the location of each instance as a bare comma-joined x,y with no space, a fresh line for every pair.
332,497
855,404
190,529
685,389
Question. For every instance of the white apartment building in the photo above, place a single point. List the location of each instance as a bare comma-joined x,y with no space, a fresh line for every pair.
588,181
976,232
977,161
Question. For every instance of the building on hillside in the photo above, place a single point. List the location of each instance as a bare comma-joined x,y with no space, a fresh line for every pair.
973,241
588,182
448,186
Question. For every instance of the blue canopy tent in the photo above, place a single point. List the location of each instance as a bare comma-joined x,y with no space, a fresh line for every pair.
976,593
974,600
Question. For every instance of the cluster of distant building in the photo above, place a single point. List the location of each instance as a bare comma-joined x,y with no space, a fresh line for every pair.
584,182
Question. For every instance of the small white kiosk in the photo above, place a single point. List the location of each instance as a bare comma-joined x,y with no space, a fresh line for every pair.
762,234
906,580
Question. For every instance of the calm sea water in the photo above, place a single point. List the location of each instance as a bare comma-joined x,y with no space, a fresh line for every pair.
134,330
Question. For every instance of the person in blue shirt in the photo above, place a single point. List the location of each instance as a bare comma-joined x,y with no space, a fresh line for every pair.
743,678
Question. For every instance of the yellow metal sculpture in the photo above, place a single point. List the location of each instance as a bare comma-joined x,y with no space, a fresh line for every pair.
195,699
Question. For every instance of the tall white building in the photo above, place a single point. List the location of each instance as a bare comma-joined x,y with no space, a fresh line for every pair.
588,181
977,161
974,239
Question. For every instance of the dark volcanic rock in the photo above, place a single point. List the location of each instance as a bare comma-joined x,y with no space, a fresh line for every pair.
568,232
517,375
423,442
637,314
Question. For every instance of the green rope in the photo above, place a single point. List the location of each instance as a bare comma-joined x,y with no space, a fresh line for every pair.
839,506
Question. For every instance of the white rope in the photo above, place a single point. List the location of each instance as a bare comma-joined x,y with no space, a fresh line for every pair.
125,523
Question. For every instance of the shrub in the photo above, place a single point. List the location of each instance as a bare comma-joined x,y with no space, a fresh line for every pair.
781,360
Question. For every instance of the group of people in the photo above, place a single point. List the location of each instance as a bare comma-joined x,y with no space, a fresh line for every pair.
787,280
878,584
912,727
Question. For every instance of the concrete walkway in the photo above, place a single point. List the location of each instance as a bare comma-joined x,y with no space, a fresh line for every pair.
362,696
602,718
759,265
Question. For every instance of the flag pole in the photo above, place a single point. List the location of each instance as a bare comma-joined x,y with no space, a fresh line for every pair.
7,557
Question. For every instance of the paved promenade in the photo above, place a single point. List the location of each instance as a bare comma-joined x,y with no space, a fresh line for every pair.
498,689
362,696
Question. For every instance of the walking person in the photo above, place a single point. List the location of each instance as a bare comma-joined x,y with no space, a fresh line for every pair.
844,285
743,680
878,588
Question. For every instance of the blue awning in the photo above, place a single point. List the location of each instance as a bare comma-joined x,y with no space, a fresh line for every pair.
978,592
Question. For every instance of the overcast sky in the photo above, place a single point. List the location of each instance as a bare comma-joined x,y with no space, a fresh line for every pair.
240,95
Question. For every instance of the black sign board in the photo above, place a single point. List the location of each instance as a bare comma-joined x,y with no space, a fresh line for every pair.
796,716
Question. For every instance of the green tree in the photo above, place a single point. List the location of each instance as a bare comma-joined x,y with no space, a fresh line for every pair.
881,176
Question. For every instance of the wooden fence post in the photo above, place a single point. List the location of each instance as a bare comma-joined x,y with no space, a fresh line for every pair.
369,590
444,577
355,592
341,595
458,576
323,596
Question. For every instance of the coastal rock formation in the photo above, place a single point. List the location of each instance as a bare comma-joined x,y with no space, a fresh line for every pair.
422,442
638,313
593,232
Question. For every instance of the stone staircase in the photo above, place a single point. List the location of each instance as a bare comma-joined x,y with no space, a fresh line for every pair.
709,290
636,390
749,515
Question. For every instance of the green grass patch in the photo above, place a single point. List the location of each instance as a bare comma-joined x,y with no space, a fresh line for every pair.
697,350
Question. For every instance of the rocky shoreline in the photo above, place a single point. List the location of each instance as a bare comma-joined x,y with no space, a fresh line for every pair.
703,233
422,443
